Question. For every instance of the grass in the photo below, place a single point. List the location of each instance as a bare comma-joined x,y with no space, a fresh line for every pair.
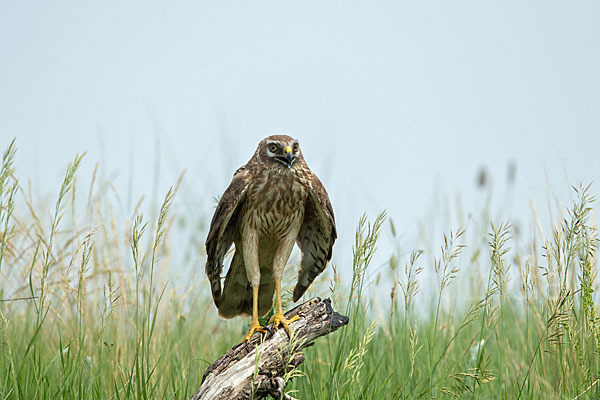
88,309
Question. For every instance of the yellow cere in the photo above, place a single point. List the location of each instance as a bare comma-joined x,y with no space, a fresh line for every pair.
288,149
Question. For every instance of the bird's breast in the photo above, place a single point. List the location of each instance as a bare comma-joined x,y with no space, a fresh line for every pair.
275,206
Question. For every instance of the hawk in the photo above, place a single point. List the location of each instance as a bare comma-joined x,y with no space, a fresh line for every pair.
272,202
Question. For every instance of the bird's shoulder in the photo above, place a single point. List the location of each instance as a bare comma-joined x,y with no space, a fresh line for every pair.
318,191
228,202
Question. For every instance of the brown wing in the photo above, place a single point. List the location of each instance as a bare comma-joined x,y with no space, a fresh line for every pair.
316,236
222,229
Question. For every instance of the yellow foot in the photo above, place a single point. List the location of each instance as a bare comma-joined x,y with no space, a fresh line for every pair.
280,319
255,326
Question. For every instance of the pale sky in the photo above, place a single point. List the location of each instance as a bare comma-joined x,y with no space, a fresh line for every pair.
396,104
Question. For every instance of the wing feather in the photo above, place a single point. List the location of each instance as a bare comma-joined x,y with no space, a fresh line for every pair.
222,229
316,237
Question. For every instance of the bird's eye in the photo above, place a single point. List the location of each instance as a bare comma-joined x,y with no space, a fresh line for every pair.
295,147
273,148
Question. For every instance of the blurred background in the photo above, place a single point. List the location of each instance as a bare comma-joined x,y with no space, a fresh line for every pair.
434,111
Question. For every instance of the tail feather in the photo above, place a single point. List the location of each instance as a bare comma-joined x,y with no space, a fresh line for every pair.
236,290
236,298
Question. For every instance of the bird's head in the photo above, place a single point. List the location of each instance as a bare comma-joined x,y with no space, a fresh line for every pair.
279,150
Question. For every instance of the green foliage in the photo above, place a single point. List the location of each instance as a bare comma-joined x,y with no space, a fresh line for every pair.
89,309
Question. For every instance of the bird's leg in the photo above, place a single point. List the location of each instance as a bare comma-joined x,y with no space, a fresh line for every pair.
253,274
281,257
279,318
255,326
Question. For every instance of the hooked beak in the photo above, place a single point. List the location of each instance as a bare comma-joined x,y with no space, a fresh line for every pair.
288,159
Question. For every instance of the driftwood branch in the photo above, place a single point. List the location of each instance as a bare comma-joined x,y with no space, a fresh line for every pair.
263,367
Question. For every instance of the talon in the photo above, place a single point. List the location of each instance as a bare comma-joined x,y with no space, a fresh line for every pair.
281,319
255,326
246,345
266,328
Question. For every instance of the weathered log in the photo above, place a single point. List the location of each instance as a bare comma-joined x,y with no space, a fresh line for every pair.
260,369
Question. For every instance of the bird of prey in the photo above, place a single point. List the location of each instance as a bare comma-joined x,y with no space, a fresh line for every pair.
272,202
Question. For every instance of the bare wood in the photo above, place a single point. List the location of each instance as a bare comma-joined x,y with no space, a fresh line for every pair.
242,374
